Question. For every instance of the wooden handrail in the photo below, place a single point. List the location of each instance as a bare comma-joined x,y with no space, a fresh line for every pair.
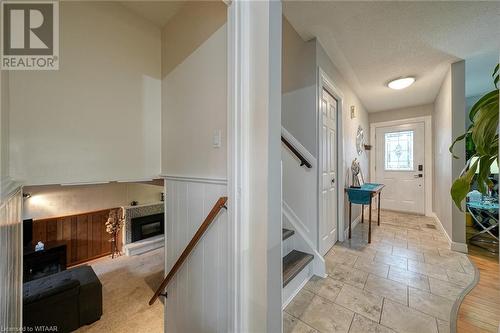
221,203
302,159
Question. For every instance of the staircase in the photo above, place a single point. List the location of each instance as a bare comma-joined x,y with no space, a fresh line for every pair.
296,267
301,259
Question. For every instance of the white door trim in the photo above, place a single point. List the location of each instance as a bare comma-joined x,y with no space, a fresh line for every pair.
324,82
427,120
237,164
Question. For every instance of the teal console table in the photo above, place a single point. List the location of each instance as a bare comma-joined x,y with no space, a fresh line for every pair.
364,196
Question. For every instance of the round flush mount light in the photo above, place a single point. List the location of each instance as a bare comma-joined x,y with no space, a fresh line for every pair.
401,83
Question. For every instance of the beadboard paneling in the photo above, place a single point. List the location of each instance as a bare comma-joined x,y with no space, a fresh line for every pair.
11,265
198,296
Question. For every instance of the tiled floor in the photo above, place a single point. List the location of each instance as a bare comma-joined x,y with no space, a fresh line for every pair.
406,280
127,284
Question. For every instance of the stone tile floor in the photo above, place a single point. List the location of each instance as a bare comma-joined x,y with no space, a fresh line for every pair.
406,280
127,285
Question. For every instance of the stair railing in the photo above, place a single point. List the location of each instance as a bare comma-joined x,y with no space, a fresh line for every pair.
221,203
303,160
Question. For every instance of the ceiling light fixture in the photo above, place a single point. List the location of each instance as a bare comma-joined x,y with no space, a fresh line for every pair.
401,83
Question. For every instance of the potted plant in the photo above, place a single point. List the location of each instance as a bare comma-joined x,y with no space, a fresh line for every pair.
483,133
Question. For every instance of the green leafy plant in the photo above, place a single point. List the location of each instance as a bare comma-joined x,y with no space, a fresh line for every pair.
484,134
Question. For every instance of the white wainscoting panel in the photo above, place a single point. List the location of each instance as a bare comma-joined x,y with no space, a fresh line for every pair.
11,263
198,295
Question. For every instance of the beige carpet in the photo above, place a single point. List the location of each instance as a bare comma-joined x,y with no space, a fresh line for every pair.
128,283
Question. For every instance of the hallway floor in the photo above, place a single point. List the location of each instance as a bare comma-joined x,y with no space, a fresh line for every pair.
406,280
127,285
480,309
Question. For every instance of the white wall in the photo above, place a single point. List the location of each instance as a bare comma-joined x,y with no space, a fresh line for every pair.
298,118
194,105
298,112
4,132
300,62
299,188
448,123
469,103
98,117
54,200
194,94
398,114
441,127
350,126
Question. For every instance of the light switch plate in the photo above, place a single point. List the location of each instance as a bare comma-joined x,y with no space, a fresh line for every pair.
217,139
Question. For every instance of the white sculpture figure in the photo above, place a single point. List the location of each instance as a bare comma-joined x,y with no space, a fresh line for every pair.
357,175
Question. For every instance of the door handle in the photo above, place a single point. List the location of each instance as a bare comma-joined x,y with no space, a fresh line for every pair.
418,176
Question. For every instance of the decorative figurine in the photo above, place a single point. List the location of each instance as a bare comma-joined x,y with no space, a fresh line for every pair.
357,175
39,246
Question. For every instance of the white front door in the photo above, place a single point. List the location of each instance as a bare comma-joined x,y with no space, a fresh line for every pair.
400,166
328,163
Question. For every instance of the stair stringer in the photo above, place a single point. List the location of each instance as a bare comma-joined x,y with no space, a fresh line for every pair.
301,242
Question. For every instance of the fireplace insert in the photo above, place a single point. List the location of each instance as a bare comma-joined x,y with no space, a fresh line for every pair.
147,226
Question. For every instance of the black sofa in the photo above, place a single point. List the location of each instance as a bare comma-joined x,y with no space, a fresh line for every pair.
66,300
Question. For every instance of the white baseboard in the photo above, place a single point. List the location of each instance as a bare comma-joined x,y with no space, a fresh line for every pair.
459,247
440,225
292,289
455,246
354,224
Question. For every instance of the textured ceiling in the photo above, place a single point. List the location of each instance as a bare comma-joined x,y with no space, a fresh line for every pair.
157,12
374,42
